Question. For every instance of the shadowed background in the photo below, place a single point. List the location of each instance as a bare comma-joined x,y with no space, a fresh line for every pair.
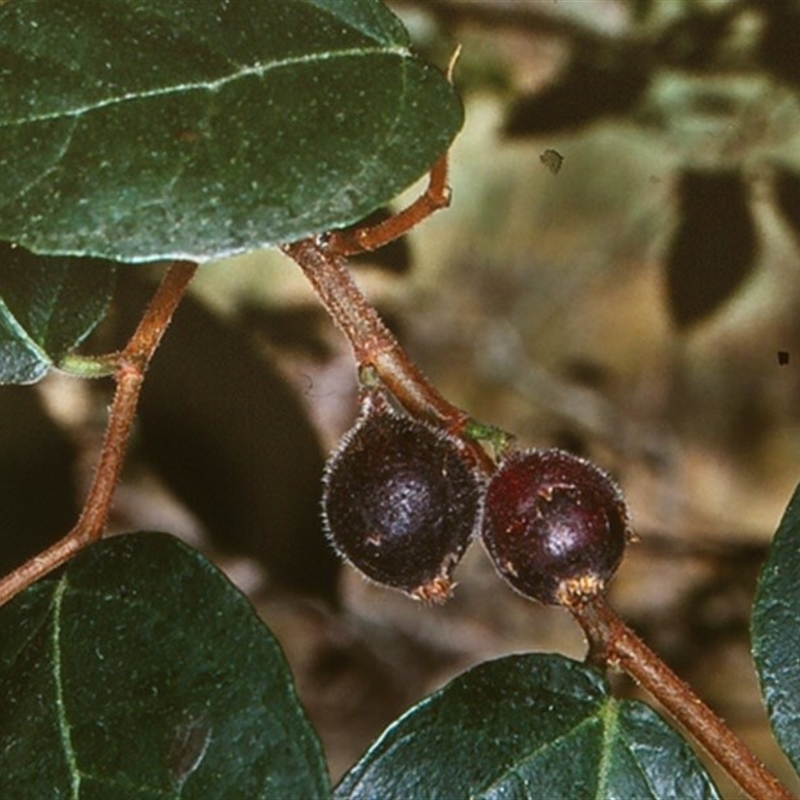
617,275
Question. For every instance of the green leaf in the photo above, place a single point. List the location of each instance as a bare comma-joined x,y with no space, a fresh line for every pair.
142,673
47,307
776,632
529,726
141,129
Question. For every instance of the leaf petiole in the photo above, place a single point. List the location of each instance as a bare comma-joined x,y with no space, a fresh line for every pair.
81,366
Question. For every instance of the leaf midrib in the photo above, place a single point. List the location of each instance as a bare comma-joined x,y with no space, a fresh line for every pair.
64,727
534,754
257,70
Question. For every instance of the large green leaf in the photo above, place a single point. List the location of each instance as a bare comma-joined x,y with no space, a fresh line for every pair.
776,631
142,129
530,726
47,307
142,673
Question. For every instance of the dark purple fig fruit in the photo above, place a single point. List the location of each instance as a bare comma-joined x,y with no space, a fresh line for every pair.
554,525
401,502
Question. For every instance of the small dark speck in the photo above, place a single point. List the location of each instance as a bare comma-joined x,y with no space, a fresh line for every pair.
187,136
783,357
552,159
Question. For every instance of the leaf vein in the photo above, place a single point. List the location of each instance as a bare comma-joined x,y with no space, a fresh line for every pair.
610,731
11,664
63,722
514,769
257,70
59,157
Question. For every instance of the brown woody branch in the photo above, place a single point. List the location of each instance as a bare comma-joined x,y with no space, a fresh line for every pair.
613,644
132,363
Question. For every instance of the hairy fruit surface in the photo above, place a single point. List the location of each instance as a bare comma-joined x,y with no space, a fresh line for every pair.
401,502
555,525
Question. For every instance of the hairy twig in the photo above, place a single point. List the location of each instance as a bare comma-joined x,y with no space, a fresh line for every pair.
374,345
613,644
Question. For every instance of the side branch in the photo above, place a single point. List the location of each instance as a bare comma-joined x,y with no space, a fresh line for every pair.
351,241
132,365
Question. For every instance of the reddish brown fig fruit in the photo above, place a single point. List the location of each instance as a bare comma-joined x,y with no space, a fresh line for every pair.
555,526
401,502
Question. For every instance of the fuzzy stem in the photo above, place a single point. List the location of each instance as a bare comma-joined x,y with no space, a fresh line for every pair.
612,643
374,345
358,239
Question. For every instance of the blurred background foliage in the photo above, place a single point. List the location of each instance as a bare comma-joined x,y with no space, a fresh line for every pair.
618,274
